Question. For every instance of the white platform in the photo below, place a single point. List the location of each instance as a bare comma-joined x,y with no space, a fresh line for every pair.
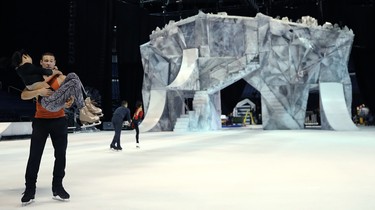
241,169
15,128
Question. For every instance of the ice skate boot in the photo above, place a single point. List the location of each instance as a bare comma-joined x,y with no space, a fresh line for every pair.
28,196
93,109
114,147
137,146
60,194
86,117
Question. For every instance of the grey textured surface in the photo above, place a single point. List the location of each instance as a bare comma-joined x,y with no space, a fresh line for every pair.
283,60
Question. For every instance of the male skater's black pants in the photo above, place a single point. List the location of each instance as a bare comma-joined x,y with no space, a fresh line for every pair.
117,125
57,129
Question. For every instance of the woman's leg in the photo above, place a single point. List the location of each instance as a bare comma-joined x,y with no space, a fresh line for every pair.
136,132
71,86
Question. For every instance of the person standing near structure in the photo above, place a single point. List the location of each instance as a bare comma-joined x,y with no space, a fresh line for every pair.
137,118
47,123
120,115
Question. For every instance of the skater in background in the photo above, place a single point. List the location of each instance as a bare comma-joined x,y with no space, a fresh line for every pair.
44,124
120,115
137,118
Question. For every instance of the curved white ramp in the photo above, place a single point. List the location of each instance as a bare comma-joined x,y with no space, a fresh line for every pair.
154,111
334,106
188,64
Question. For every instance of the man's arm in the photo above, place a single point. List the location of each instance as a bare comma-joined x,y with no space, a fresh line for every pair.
128,116
30,94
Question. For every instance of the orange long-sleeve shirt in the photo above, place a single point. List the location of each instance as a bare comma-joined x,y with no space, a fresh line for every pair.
45,114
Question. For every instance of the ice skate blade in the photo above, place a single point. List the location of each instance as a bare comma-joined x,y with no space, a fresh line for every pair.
28,203
87,125
58,198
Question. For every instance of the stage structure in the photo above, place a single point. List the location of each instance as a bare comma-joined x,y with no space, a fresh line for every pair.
194,58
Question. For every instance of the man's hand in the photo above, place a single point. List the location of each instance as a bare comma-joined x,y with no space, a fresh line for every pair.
69,102
54,72
45,92
30,94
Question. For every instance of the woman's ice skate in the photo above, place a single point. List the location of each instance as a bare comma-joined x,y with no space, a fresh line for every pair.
93,109
87,118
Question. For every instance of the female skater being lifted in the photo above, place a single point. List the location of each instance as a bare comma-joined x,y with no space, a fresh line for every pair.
36,78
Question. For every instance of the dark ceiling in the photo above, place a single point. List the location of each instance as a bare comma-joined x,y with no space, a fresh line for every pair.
172,6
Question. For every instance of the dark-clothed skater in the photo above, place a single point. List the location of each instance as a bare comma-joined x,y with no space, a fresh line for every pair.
120,115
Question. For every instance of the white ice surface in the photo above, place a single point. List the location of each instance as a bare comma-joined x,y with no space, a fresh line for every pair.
241,169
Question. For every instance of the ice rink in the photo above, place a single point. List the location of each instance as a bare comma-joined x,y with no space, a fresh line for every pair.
238,168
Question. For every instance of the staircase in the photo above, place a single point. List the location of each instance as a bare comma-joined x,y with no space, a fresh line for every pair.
182,123
277,108
277,114
197,119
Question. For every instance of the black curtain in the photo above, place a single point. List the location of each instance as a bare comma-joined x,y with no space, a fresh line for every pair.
89,47
37,26
134,25
360,18
76,31
79,33
364,55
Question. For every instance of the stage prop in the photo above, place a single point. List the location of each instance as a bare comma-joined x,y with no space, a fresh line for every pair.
194,58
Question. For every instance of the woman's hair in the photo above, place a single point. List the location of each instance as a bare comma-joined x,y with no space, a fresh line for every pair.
17,57
138,104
